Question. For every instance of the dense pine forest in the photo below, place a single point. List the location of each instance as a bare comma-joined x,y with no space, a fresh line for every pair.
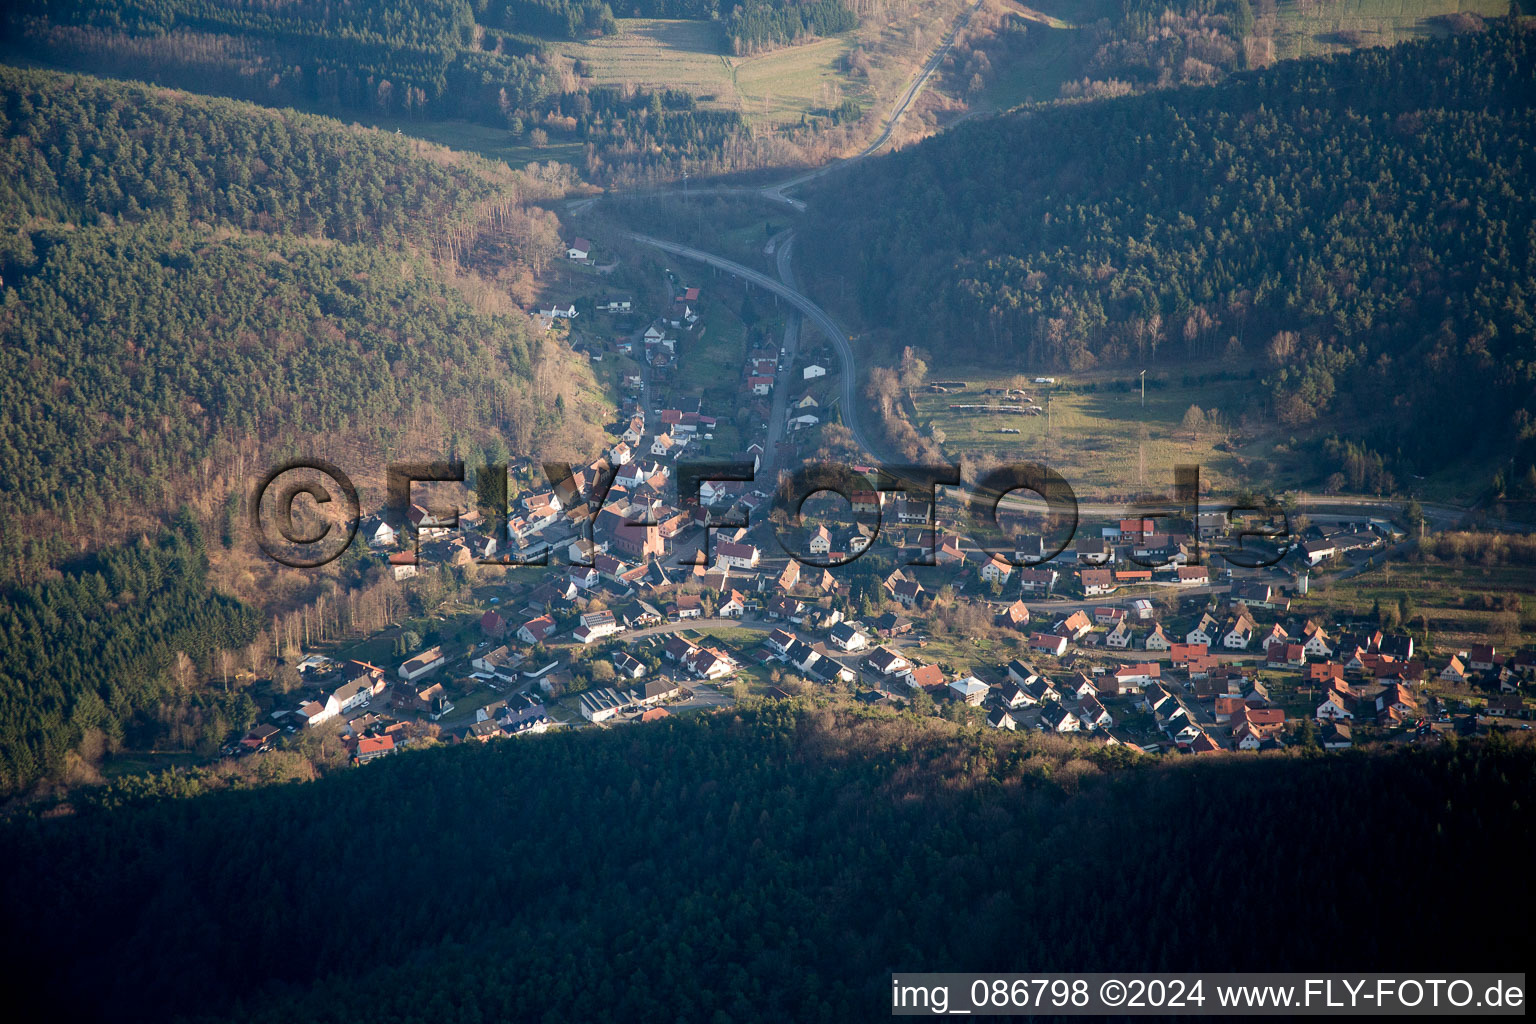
1362,226
772,864
91,653
192,285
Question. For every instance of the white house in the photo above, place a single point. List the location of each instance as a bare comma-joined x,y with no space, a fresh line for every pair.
1001,719
579,249
316,712
996,570
1056,718
1205,632
1334,707
814,370
1318,551
1318,645
736,556
600,705
846,638
1238,635
566,312
427,661
888,662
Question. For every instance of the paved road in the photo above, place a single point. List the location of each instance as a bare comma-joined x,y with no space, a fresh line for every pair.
813,314
779,413
776,191
903,103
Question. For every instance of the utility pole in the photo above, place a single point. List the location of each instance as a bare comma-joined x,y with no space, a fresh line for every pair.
1143,389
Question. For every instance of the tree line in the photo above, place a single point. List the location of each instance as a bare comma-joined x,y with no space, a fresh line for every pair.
488,63
778,862
100,646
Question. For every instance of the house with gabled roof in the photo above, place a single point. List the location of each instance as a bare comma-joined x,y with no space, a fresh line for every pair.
1338,704
996,570
887,662
1048,643
1074,626
1056,718
846,638
536,630
1238,633
1093,715
1016,615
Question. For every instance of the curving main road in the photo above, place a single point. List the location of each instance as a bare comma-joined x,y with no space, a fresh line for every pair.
813,314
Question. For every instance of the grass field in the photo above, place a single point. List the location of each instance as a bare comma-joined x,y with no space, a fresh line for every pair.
1310,27
772,88
1104,441
491,143
1057,48
1464,603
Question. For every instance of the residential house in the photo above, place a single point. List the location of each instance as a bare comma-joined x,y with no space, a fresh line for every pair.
1337,705
655,691
1238,632
599,705
1096,582
996,570
887,662
1335,735
846,638
536,630
371,748
1037,582
736,556
1093,715
969,689
1138,675
1015,615
1048,643
1094,551
428,660
1056,718
1074,626
628,666
1021,673
1205,631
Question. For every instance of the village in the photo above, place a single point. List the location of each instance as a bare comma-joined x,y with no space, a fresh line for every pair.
618,593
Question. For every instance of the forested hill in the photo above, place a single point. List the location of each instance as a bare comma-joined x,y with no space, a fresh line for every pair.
767,864
80,150
1366,223
103,653
176,305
